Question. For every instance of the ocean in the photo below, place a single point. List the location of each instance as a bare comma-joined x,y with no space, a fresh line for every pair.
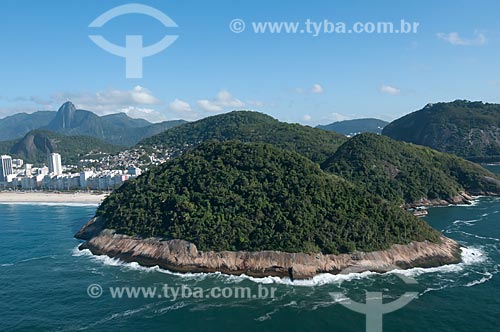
44,284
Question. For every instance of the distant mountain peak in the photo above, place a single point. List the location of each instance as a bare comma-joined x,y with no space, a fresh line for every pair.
67,107
65,114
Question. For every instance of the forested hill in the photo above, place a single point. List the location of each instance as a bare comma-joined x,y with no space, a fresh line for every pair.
253,196
467,129
249,126
35,146
404,172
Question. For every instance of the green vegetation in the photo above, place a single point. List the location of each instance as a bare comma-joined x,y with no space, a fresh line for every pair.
356,126
35,146
254,196
403,172
467,129
247,126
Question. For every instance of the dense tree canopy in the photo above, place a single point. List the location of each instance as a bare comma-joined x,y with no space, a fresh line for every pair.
248,126
252,196
403,172
467,129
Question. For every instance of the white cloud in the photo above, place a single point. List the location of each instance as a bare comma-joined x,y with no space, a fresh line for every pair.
390,90
222,101
136,102
454,39
335,117
307,117
317,88
225,99
149,114
108,99
180,106
208,105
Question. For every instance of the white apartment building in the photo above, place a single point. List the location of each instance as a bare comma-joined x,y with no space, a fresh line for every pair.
55,165
5,168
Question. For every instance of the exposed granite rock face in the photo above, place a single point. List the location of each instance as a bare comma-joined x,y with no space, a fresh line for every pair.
91,229
461,198
182,256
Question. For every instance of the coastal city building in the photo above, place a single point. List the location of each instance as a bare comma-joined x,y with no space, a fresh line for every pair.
18,175
5,168
55,165
17,163
27,169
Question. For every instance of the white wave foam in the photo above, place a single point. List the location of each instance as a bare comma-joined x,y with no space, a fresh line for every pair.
470,256
106,260
431,289
466,222
7,264
417,271
318,280
476,236
487,276
77,252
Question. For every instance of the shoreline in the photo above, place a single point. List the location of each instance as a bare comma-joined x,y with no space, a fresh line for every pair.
182,256
19,197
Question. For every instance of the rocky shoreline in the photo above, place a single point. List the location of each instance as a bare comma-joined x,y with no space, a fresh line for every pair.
465,198
182,256
461,198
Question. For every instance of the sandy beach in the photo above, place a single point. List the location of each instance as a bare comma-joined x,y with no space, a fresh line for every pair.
50,197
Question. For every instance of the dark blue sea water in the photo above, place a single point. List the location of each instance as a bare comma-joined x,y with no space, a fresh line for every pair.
44,281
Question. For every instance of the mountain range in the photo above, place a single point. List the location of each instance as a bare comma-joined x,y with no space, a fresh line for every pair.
117,129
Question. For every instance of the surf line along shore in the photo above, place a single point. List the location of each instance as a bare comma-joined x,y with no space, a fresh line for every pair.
182,256
51,197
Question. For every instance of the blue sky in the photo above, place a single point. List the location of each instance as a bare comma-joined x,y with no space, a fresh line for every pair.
47,58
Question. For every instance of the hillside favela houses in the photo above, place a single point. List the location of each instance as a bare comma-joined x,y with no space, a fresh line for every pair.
17,175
